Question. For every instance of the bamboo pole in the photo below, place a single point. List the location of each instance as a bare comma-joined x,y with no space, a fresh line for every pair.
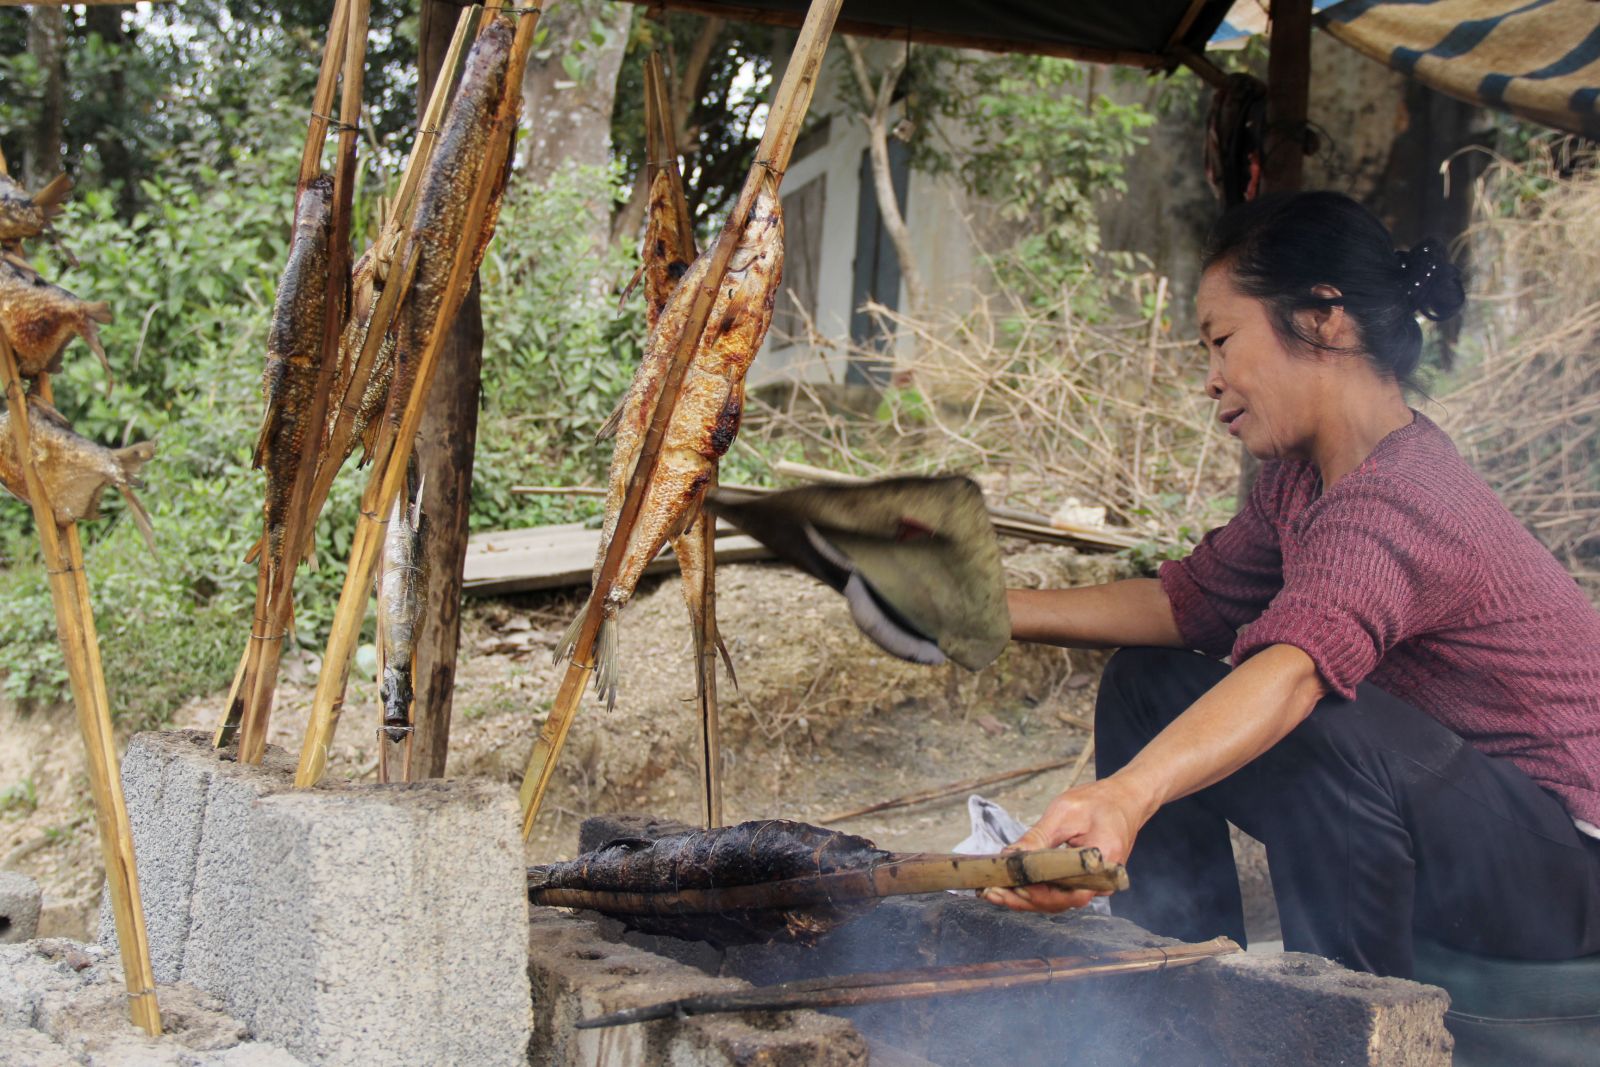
789,104
899,875
80,647
394,446
300,522
940,792
884,986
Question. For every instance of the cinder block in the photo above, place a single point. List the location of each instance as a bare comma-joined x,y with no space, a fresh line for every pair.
349,924
577,973
19,907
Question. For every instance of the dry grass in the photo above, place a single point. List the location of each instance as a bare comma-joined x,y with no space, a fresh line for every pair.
1526,408
1045,403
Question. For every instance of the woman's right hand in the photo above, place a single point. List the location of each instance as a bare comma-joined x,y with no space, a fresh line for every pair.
1105,814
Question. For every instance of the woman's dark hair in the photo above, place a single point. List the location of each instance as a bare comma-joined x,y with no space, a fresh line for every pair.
1278,248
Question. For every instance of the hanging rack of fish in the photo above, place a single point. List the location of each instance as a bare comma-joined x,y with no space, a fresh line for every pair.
665,257
454,203
62,476
683,410
308,317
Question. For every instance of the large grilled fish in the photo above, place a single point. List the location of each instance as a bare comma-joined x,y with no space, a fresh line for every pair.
294,352
402,578
23,216
705,419
41,319
444,198
74,469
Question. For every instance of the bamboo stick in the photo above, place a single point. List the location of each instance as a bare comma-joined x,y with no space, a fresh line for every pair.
1071,868
792,98
394,446
300,522
80,647
884,986
942,791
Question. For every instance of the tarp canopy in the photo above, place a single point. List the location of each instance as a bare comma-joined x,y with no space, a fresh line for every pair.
1141,33
1539,60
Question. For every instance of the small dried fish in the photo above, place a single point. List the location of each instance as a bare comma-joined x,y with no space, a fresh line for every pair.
444,198
23,216
41,319
401,580
74,469
294,352
705,420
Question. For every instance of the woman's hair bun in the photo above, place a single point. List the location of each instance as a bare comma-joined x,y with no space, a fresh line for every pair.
1433,284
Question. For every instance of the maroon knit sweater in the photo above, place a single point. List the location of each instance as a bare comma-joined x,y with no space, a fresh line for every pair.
1410,573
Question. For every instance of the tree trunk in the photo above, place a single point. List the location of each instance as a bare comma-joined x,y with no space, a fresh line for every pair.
47,30
574,126
116,160
878,99
445,443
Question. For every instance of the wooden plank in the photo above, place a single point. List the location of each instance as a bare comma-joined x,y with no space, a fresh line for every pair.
556,557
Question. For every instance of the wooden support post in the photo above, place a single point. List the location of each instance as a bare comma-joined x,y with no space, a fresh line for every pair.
1288,88
446,442
62,552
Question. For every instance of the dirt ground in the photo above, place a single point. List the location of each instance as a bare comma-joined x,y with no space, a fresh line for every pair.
821,723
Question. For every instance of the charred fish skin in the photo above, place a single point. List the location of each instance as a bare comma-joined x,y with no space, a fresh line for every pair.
666,254
294,352
75,470
23,216
40,319
368,408
400,588
445,197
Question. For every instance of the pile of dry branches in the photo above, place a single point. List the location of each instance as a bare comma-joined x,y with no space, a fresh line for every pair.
1040,403
1526,408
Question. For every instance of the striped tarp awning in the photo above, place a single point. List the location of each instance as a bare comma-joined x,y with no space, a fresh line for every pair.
1538,59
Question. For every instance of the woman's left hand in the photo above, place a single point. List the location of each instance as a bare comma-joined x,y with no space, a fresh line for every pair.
1103,814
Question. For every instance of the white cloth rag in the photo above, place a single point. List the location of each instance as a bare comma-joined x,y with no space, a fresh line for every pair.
994,828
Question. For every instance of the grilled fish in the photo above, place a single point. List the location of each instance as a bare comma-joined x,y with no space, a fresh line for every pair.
294,351
374,391
705,419
74,469
402,578
444,198
41,319
23,216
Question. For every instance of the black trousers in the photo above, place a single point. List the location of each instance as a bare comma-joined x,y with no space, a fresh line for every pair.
1377,819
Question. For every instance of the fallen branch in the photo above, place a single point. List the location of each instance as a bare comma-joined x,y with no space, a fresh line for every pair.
942,791
881,986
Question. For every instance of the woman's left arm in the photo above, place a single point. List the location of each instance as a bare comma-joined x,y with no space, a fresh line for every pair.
1246,713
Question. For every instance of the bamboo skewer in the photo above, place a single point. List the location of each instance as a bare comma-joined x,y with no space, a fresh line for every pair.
884,986
300,521
662,150
953,789
788,109
394,445
62,550
1080,868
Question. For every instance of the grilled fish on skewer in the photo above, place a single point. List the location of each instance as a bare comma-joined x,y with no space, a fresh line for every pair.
705,420
74,469
401,580
41,319
443,200
294,350
23,216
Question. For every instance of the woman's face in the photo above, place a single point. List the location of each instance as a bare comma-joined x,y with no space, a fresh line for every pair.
1266,394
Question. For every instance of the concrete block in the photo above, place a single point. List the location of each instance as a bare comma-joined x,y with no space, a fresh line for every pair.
576,973
19,907
350,924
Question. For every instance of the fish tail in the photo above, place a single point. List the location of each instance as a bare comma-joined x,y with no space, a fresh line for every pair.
141,519
605,662
727,661
99,311
53,195
608,429
569,640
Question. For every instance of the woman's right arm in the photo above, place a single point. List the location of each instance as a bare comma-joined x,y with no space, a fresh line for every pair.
1131,612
